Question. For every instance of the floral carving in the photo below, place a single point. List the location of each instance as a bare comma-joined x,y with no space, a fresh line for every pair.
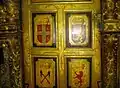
108,11
4,68
118,9
110,45
8,15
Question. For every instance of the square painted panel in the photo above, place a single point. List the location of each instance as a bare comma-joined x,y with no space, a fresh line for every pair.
78,29
78,72
45,72
44,29
59,0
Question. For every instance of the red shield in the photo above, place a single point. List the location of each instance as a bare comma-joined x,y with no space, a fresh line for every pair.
43,33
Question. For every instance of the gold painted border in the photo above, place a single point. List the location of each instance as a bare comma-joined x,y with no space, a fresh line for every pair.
48,2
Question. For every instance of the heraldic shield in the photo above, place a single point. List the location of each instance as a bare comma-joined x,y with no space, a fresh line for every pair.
78,30
79,71
43,33
43,28
78,33
45,69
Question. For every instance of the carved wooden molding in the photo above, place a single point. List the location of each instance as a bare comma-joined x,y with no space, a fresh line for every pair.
111,9
110,43
110,48
10,41
117,9
118,63
12,50
112,26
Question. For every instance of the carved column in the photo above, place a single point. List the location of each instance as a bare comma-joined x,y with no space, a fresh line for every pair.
10,39
110,43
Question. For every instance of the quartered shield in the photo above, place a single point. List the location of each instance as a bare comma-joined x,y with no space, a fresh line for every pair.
43,33
43,30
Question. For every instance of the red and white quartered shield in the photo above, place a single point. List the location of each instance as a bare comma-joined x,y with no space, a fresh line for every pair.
43,30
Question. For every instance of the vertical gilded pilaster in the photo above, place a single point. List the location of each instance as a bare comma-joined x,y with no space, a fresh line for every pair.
10,42
110,43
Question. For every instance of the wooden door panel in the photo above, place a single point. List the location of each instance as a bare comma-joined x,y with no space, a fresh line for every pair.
61,44
79,72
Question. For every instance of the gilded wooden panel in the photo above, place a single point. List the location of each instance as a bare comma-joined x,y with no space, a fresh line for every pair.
44,29
84,21
79,71
78,29
45,72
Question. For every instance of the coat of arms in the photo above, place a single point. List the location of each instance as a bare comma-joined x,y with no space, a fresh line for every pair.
45,73
78,33
79,73
78,30
43,27
43,32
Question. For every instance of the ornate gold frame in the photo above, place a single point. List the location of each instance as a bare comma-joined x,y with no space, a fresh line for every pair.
61,50
10,38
